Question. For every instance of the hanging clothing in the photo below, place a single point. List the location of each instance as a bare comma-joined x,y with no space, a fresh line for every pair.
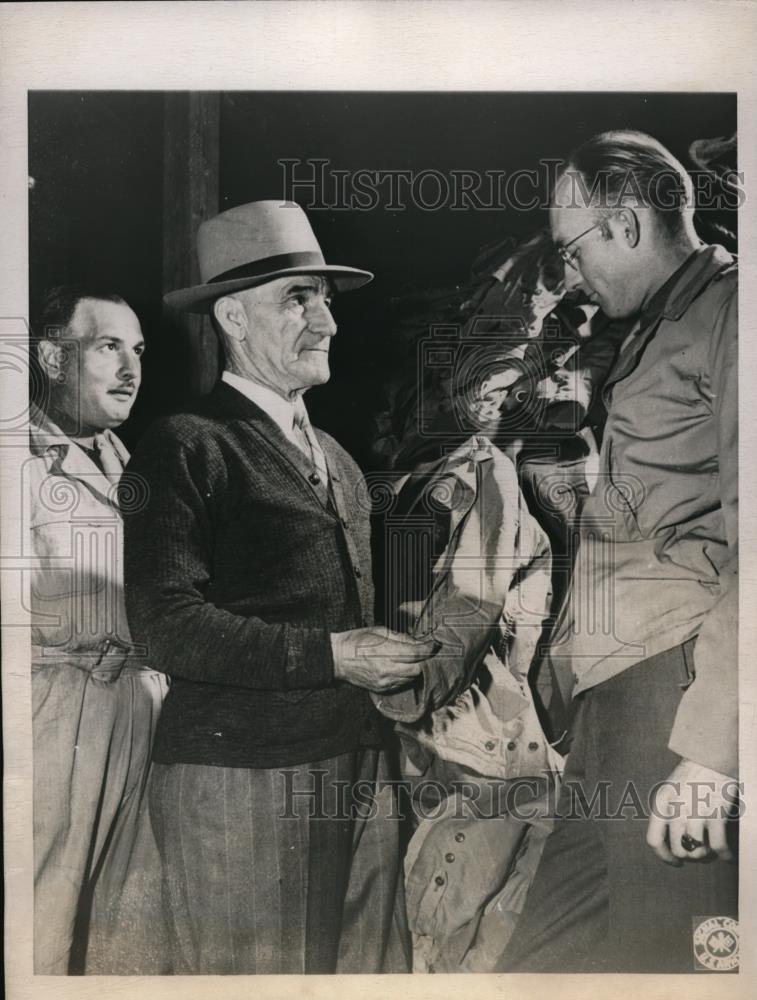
491,584
469,725
468,873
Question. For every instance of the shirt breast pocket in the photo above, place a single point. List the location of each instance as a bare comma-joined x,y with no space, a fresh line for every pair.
76,591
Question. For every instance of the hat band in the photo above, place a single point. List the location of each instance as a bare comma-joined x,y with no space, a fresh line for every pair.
281,262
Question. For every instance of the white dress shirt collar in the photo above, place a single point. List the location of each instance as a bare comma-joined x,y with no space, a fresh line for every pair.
280,410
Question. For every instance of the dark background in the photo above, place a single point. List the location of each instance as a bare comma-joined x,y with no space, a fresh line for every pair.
96,202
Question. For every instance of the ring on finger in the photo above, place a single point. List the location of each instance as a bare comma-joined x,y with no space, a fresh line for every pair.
689,843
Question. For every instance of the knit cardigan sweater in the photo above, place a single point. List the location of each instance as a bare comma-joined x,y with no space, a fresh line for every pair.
237,569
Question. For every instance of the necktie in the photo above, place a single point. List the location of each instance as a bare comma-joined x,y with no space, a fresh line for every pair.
308,443
110,463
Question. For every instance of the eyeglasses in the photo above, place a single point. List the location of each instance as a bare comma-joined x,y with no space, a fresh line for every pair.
570,258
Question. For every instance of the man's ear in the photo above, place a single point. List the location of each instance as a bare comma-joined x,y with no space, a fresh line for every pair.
51,357
627,226
231,317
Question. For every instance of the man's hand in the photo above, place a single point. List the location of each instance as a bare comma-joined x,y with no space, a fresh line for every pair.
694,804
378,659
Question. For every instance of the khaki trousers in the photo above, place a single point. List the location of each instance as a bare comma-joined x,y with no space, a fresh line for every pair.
96,868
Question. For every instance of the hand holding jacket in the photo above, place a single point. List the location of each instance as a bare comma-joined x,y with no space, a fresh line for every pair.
377,658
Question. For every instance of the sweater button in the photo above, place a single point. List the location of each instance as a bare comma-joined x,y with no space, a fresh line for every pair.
489,745
356,571
449,858
459,837
533,746
314,478
511,745
439,880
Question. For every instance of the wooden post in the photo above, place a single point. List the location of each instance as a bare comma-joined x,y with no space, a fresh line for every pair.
191,141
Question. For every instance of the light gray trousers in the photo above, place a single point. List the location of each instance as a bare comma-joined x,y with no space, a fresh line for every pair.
96,867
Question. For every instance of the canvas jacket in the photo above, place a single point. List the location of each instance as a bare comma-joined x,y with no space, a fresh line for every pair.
658,555
488,604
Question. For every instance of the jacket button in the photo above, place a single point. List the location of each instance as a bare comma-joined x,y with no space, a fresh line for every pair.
533,746
489,745
356,571
449,858
439,880
345,524
459,837
511,745
314,478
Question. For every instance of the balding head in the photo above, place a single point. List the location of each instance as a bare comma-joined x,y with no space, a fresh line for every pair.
621,218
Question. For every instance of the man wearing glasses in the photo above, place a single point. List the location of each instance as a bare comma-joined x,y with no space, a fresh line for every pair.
646,639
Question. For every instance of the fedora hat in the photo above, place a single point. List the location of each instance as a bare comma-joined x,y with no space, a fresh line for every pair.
251,244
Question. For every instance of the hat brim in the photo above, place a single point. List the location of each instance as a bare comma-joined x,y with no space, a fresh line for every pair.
199,298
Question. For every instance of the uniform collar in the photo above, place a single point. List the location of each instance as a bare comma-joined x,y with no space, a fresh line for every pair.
676,295
670,302
65,456
45,435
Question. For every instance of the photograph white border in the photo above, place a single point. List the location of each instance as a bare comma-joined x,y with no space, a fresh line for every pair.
542,45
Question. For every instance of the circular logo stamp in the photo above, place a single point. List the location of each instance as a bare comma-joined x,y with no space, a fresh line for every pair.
716,944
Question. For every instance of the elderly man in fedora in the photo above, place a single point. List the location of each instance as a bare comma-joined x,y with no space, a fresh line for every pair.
248,577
